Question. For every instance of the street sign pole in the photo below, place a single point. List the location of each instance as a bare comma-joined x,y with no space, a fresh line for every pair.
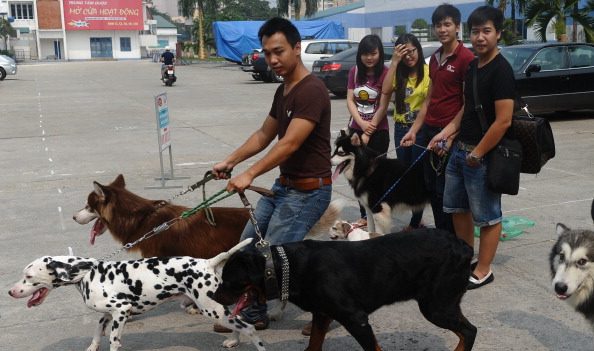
164,141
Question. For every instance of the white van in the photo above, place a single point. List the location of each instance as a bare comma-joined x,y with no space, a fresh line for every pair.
315,49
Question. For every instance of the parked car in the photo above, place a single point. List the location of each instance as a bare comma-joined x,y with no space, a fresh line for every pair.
7,66
316,49
311,50
553,76
334,71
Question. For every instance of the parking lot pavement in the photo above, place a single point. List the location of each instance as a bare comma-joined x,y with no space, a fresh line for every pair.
66,125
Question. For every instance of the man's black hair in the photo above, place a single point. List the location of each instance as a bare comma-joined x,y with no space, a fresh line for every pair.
444,11
280,25
483,14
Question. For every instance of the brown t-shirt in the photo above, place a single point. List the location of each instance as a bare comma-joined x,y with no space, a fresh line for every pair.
308,100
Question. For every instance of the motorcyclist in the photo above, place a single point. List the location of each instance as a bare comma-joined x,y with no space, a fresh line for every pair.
167,58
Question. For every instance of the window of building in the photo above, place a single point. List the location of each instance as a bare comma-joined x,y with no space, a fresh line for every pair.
125,44
22,10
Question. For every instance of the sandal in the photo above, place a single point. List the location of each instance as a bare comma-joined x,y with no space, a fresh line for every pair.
474,282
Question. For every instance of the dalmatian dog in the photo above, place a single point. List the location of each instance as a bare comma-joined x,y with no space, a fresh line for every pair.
120,289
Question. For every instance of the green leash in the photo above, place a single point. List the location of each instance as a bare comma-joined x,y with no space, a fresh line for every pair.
218,196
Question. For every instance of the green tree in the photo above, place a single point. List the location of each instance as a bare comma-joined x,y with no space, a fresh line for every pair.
311,7
516,6
6,31
196,9
419,23
541,12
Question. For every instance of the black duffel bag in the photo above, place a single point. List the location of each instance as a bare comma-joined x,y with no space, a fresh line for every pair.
536,136
503,166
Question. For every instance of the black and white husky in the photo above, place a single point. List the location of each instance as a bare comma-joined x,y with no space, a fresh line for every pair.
381,184
572,268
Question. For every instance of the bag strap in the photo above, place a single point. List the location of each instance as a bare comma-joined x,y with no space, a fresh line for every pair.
478,107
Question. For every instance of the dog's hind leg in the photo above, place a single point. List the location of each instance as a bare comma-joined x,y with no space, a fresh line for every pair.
319,328
449,316
100,331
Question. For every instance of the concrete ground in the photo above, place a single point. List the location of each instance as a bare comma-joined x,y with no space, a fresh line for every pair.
68,124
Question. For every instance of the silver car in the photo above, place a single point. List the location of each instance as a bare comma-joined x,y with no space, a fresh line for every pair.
7,66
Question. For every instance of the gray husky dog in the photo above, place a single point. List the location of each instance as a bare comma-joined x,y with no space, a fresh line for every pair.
572,268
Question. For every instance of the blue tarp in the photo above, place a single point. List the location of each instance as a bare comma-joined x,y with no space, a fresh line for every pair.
235,38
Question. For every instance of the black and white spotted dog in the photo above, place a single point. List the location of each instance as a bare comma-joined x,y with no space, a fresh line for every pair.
120,289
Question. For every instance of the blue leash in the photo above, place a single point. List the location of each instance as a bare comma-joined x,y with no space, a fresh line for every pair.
390,189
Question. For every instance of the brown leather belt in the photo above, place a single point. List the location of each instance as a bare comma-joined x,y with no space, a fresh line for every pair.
305,184
465,147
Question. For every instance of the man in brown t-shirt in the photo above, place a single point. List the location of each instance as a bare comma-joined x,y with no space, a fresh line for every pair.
300,118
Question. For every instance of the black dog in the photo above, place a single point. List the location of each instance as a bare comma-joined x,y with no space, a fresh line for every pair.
346,281
381,184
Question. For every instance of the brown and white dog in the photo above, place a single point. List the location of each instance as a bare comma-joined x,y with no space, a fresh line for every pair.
350,231
129,216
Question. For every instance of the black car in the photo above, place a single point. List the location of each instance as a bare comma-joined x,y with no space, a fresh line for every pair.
553,76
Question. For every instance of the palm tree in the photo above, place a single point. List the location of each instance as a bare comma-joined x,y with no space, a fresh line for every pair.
195,9
518,6
541,12
311,7
6,31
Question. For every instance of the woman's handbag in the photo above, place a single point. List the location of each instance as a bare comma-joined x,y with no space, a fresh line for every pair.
505,160
536,136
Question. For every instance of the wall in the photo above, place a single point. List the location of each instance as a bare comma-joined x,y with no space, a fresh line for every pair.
79,44
49,15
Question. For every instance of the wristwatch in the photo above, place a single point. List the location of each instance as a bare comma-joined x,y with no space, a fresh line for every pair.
473,159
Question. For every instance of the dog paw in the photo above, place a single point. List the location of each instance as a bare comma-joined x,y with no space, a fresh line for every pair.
93,347
192,309
229,343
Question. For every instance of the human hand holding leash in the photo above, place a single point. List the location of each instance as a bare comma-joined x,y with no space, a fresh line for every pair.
222,170
408,139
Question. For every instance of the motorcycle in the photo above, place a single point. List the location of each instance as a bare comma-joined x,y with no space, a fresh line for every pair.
168,75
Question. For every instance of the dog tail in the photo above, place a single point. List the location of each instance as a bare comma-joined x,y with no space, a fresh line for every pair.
330,216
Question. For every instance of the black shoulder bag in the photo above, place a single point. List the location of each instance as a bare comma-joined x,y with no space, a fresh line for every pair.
505,160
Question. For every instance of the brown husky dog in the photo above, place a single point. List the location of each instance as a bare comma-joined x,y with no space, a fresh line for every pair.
129,216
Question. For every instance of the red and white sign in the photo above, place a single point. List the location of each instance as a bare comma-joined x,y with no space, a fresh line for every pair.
103,14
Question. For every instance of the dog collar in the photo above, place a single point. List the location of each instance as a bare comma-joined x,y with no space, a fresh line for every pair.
270,281
285,274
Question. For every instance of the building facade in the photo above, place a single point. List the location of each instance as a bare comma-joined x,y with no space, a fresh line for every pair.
83,29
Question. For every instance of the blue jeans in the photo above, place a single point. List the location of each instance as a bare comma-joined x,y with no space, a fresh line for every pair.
466,190
284,218
408,155
289,215
434,181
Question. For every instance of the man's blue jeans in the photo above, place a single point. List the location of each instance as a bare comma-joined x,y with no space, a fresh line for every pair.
289,215
284,218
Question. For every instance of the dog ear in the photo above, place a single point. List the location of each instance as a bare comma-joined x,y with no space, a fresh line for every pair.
355,140
99,189
343,133
219,260
561,228
119,182
346,227
70,273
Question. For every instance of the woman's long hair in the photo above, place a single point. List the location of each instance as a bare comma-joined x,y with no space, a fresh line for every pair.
368,44
403,71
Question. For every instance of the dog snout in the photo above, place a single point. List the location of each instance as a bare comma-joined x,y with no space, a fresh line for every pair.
560,288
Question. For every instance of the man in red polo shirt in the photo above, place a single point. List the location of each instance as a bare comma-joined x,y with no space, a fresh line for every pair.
447,69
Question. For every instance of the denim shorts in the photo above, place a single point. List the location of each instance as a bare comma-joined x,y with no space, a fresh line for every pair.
289,215
466,190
